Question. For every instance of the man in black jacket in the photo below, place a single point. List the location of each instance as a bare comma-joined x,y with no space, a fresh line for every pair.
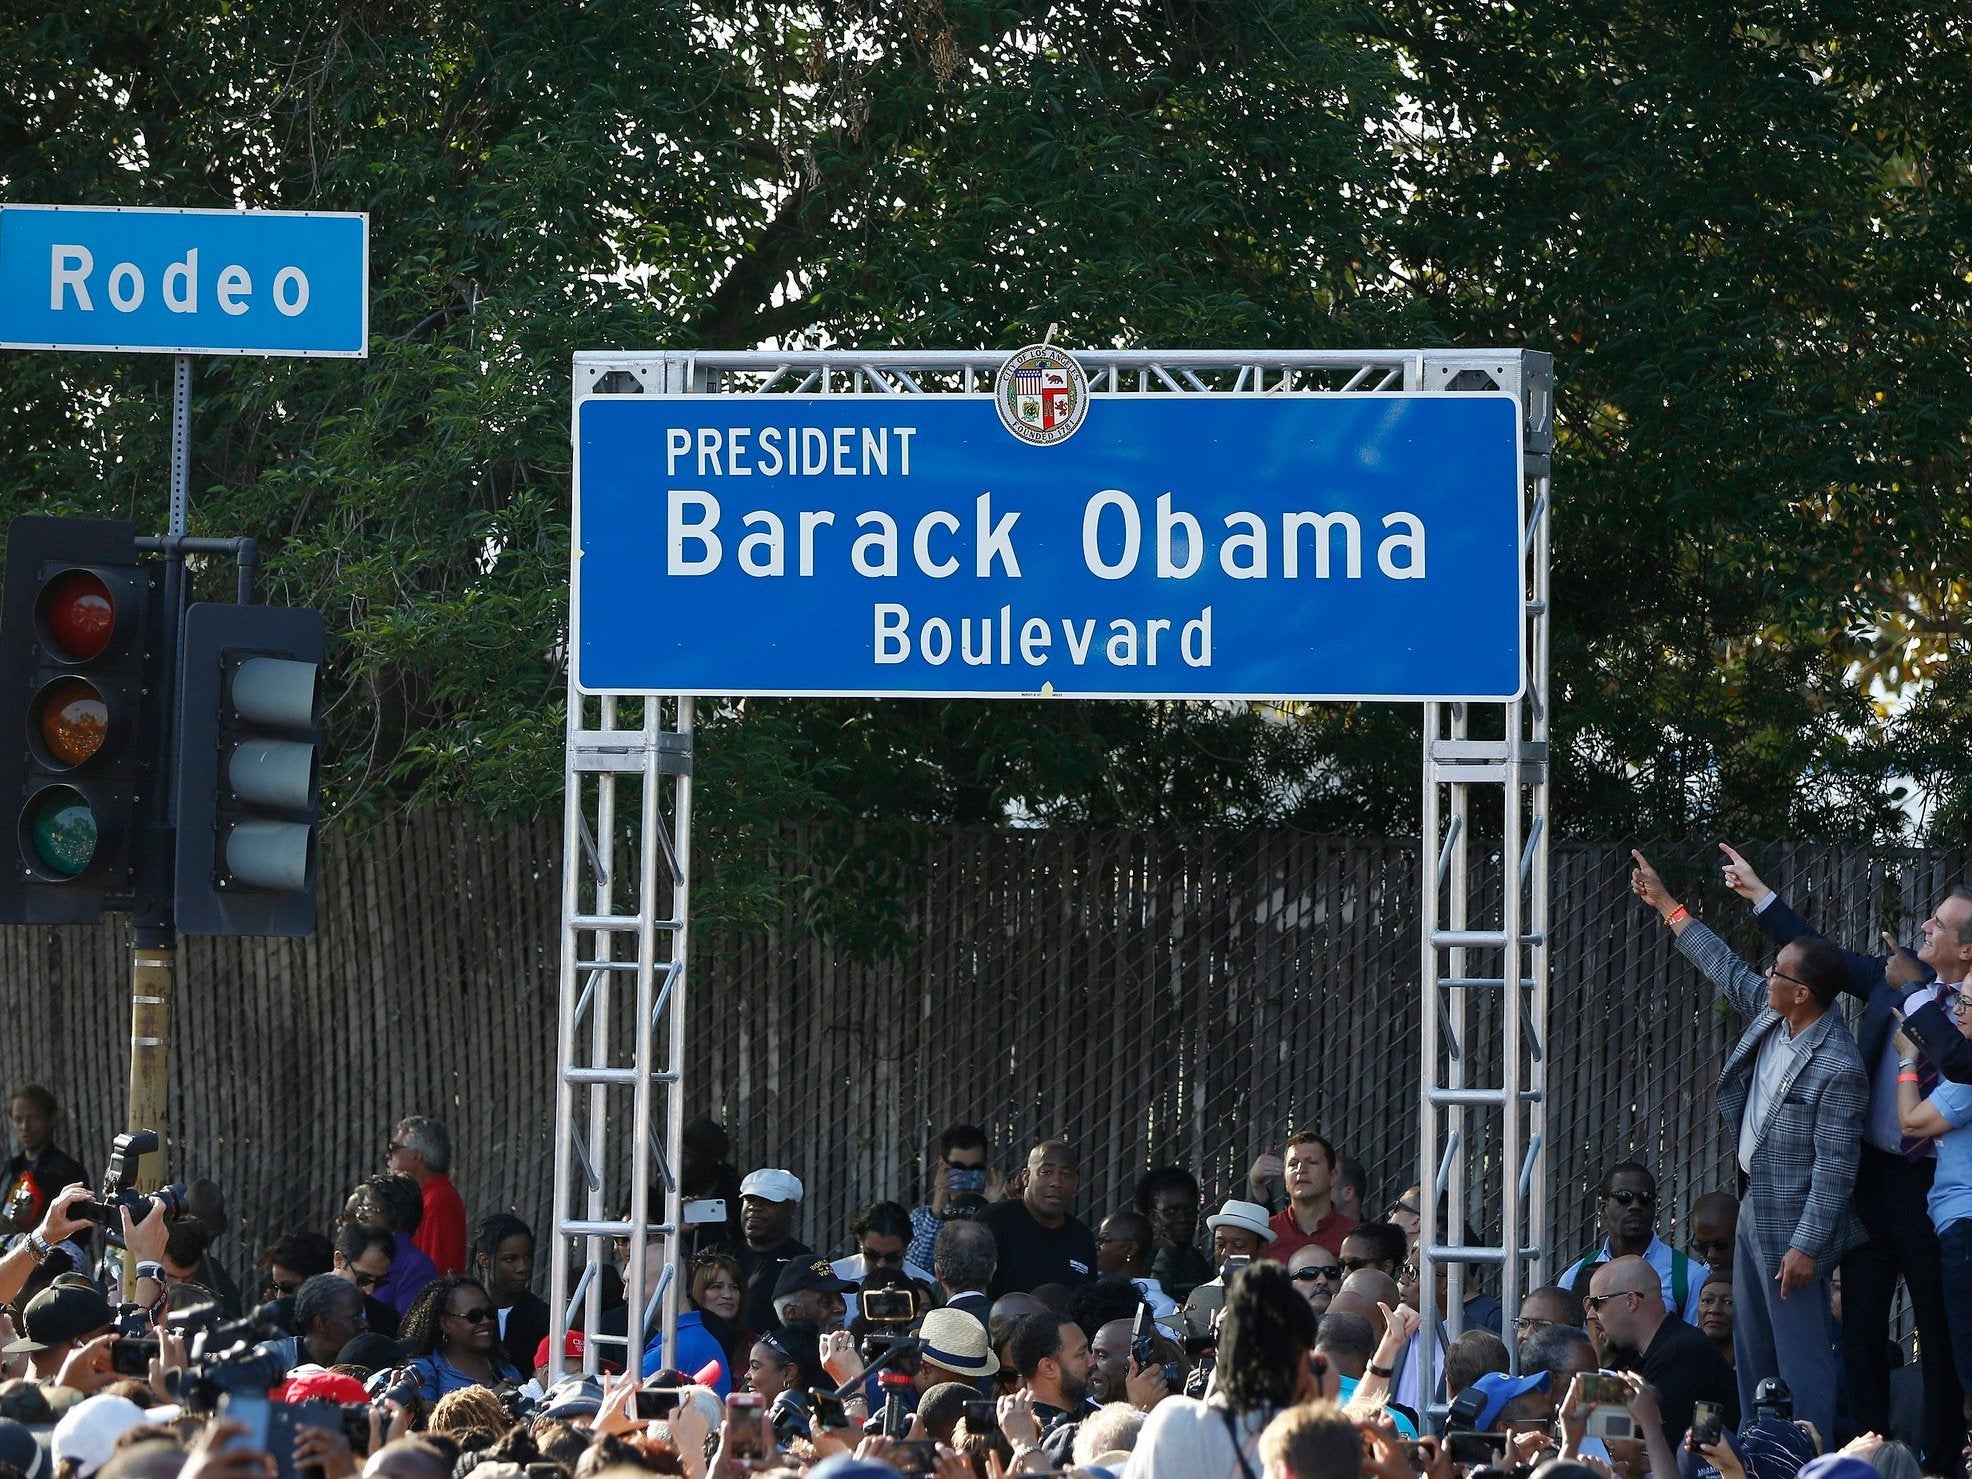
1893,1174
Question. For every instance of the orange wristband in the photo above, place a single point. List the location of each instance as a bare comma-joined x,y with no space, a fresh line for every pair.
1676,914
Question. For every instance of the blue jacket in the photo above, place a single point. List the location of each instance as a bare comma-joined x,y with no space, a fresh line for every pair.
696,1347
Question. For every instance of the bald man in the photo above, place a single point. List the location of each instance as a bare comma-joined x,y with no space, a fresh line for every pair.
1040,1239
1640,1335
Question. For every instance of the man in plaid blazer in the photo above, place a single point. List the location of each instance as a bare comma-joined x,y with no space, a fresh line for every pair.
1792,1092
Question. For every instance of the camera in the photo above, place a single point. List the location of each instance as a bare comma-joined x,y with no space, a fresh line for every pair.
900,1353
127,1149
1773,1398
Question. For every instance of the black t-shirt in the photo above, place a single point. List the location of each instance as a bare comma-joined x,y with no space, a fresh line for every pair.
1685,1368
760,1269
1032,1255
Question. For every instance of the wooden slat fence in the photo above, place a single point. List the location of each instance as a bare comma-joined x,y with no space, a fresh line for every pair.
1152,997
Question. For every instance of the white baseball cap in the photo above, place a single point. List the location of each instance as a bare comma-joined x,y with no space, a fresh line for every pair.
772,1184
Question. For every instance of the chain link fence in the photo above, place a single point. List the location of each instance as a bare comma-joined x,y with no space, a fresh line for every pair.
1151,997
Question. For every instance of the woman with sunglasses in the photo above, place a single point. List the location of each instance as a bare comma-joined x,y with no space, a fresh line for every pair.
453,1333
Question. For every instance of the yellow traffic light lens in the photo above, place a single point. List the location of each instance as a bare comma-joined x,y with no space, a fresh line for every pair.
73,720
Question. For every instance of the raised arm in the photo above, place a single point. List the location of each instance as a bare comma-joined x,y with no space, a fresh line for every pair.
1781,924
1744,987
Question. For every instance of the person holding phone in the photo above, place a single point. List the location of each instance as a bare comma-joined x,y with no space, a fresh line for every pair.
1642,1336
958,1170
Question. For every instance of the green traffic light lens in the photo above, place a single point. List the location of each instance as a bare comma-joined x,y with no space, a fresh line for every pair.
61,832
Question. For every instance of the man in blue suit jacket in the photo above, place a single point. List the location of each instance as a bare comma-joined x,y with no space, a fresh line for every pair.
1893,1179
1793,1093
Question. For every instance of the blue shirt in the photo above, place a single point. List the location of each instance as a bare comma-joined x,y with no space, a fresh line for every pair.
1348,1390
696,1348
437,1376
1951,1189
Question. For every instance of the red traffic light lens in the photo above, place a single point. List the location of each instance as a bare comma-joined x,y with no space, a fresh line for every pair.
61,832
78,614
72,720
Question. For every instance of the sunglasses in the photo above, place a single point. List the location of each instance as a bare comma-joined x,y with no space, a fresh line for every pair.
1308,1275
366,1281
1352,1264
479,1315
1627,1198
1597,1301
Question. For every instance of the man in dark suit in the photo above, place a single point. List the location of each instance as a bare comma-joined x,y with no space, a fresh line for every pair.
964,1258
1793,1092
1893,1174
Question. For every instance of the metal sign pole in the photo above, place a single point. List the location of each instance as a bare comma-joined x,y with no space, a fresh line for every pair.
154,954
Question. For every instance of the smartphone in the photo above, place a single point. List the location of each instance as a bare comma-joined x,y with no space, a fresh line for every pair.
1604,1389
829,1411
1233,1265
253,1410
888,1306
960,1179
657,1401
130,1355
1473,1449
915,1458
743,1411
1706,1423
705,1209
982,1415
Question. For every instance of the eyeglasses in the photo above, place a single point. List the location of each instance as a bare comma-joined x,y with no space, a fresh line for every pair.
1312,1271
366,1281
1407,1209
1774,970
1709,1246
1624,1197
887,1260
284,1290
1597,1301
1406,1273
1352,1264
1531,1322
479,1315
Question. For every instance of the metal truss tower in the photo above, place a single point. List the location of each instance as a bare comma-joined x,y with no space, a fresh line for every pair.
619,1109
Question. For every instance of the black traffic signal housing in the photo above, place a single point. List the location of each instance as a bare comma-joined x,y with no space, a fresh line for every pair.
247,754
81,619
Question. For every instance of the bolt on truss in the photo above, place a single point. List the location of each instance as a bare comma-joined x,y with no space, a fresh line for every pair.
619,1107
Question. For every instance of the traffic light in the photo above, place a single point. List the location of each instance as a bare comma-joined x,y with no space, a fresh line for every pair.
79,615
248,745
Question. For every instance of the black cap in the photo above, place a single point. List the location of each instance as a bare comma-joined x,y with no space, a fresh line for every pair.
811,1273
66,1310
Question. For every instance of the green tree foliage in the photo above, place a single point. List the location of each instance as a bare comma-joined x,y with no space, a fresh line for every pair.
1740,231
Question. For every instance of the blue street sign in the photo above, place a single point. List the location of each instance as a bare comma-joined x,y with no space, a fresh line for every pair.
185,281
1174,546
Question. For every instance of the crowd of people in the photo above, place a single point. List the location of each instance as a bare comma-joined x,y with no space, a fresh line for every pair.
999,1326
